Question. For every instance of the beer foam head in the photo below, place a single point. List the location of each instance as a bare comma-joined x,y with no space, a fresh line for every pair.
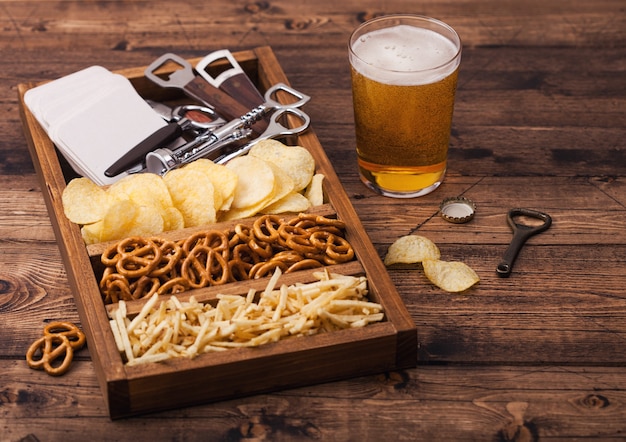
404,55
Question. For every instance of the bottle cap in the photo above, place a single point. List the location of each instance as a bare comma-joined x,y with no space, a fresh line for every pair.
457,209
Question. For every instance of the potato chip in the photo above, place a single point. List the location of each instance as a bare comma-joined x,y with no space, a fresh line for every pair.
84,202
451,276
315,192
411,249
283,184
118,220
224,180
193,194
244,212
144,189
92,233
297,161
172,219
293,202
148,221
255,182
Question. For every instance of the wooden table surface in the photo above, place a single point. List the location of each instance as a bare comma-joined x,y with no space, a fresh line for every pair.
539,123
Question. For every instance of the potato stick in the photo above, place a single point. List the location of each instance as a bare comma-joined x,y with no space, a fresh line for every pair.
333,318
366,320
209,347
122,308
176,325
177,303
295,326
250,297
155,347
226,329
282,301
245,322
356,304
121,324
144,312
273,280
193,350
116,335
151,337
160,316
150,358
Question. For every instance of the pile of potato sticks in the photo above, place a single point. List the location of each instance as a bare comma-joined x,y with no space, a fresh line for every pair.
187,329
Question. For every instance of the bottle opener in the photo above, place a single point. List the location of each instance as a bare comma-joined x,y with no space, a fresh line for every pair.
521,233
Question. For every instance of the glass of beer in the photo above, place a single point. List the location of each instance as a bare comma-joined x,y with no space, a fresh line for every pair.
404,76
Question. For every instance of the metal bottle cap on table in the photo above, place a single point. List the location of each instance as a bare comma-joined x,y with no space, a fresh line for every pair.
457,210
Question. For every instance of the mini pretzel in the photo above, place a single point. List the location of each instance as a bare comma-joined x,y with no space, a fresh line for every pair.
318,220
50,349
262,269
114,286
144,287
204,266
246,235
67,329
137,257
266,227
303,265
214,239
170,254
174,286
336,248
58,343
239,270
288,257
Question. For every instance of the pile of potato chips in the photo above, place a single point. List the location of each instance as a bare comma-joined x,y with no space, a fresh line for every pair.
273,178
451,276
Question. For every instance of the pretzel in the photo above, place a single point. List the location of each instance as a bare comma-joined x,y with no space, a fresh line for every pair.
137,256
314,222
58,342
336,248
304,264
214,239
239,270
173,286
114,286
170,254
144,286
260,247
204,266
266,227
297,239
261,269
67,329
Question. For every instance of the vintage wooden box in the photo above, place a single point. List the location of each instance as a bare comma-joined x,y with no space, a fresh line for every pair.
130,390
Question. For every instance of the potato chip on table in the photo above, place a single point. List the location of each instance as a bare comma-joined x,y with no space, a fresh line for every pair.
451,276
411,249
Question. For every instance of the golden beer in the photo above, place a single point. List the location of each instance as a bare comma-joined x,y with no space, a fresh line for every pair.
404,76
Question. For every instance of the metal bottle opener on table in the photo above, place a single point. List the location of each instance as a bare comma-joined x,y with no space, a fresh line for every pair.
521,233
